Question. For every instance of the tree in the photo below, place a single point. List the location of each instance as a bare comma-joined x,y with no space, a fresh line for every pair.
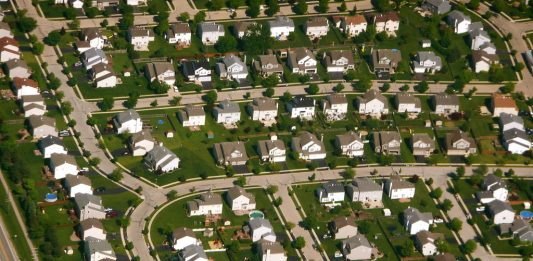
323,6
446,205
185,17
66,108
272,189
404,88
338,88
153,103
289,225
199,17
273,7
126,21
162,23
298,243
469,246
116,175
226,43
456,224
363,84
270,81
131,102
473,4
310,222
38,49
70,13
348,174
509,173
287,96
407,248
104,23
269,92
436,193
313,89
277,202
343,7
509,87
257,40
460,171
106,103
210,97
235,3
422,87
216,4
385,87
241,181
354,10
496,73
301,7
159,87
350,75
52,38
382,5
253,8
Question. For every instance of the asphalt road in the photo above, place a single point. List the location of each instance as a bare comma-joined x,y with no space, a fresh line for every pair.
7,250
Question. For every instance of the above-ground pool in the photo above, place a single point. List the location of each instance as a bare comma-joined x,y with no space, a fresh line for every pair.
50,197
526,214
256,214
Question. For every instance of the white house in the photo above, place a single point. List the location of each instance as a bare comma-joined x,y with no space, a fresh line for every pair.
207,203
235,68
9,49
42,126
240,200
482,61
459,21
302,61
268,65
281,27
62,165
308,147
160,71
478,38
503,104
33,109
227,112
339,61
140,38
141,143
331,191
93,56
416,221
17,68
272,150
407,102
261,228
496,186
396,188
98,250
426,242
302,107
24,86
373,103
196,71
128,121
357,248
335,107
161,159
387,142
350,144
192,116
192,253
353,25
210,32
511,121
445,103
89,206
76,184
500,212
103,76
343,227
364,190
388,22
516,141
316,27
183,237
271,251
264,109
94,37
230,153
179,33
135,2
92,228
51,144
427,62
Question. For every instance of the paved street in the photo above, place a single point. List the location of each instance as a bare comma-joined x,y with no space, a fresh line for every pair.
7,250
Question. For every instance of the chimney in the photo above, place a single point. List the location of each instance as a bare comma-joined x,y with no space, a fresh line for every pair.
160,144
273,136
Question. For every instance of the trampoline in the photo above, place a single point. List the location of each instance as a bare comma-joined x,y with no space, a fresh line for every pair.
526,214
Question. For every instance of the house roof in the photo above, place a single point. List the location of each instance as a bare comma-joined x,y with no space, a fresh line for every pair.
397,183
491,179
341,222
193,252
227,106
301,52
497,206
457,135
182,232
333,187
281,21
348,138
179,28
50,140
14,63
229,60
192,110
515,133
272,247
94,245
521,226
157,68
356,19
425,237
423,137
477,32
91,33
83,200
413,215
268,59
389,16
226,149
73,180
205,199
264,104
191,66
38,121
428,56
237,191
126,116
140,32
266,145
366,184
160,152
373,94
140,136
90,223
393,56
19,82
5,26
256,223
338,54
506,118
301,101
210,27
437,3
446,99
101,67
305,138
8,41
502,101
457,16
93,52
317,21
243,26
34,106
356,241
387,136
59,159
480,55
408,98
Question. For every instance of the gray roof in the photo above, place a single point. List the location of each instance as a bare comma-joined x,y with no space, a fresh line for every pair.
425,237
281,21
227,107
90,33
397,183
333,187
73,180
140,32
226,149
522,229
337,98
264,104
302,101
14,63
497,206
38,121
273,247
475,26
60,159
348,138
90,223
192,253
94,245
457,16
425,138
157,68
259,222
179,28
413,215
355,242
243,26
408,98
83,199
93,52
192,110
50,140
457,135
428,56
159,152
513,134
266,145
478,33
385,137
438,3
299,53
335,55
506,118
205,199
304,138
210,27
182,232
232,59
446,99
126,116
237,191
341,222
366,184
140,136
371,95
492,179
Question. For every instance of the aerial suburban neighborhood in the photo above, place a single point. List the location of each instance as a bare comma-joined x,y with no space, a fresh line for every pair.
266,130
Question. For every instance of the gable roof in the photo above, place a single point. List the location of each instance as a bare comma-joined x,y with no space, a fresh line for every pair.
50,140
266,145
301,101
90,223
396,182
366,184
371,95
425,237
140,136
408,98
281,21
317,21
497,206
264,104
192,253
91,33
179,28
182,232
446,99
341,222
19,82
256,223
413,215
237,191
356,19
38,121
457,16
348,138
160,152
59,159
127,115
210,27
333,187
14,63
140,32
389,16
94,245
506,118
265,246
74,180
502,101
225,149
457,135
83,200
355,242
423,137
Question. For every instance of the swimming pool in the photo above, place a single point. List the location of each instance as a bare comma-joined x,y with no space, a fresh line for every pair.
256,214
50,197
526,214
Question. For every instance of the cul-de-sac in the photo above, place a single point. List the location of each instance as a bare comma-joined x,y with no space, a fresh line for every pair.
266,130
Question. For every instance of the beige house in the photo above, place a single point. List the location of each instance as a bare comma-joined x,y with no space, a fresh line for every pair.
460,144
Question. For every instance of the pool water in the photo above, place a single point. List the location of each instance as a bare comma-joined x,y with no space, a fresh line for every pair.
50,197
256,214
526,214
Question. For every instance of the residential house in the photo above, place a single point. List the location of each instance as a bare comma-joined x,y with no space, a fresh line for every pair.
179,33
98,250
459,21
500,212
192,253
261,228
9,49
62,165
271,251
103,76
522,230
102,4
230,153
268,65
140,38
503,104
160,71
17,68
364,190
302,61
373,103
437,6
183,237
396,188
227,112
489,48
511,121
387,22
335,106
92,57
302,107
496,186
426,242
161,159
281,27
128,121
445,103
416,221
272,150
5,30
350,144
42,126
263,109
357,248
339,61
89,206
444,257
24,86
196,71
308,147
460,143
343,227
76,4
33,105
208,203
210,32
482,61
234,67
241,28
387,142
427,62
408,102
51,144
386,60
141,143
92,228
422,144
93,37
192,116
316,27
426,43
478,38
78,184
331,191
240,200
516,141
135,2
82,46
353,25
